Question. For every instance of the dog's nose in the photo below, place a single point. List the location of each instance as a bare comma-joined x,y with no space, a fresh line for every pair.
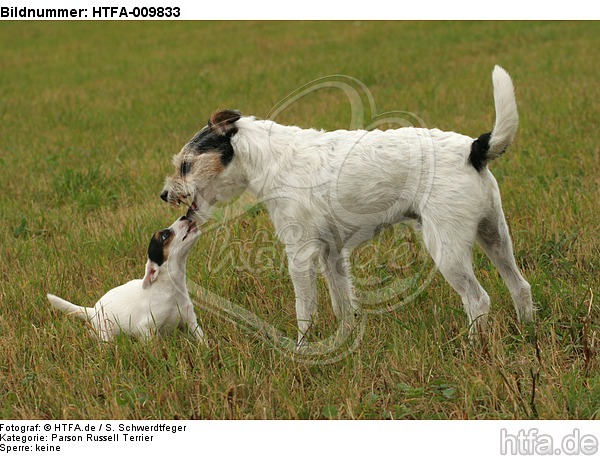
164,195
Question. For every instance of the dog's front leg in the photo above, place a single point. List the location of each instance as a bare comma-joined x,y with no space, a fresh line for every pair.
302,264
337,275
195,329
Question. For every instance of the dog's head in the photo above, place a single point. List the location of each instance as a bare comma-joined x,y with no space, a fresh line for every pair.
203,167
169,245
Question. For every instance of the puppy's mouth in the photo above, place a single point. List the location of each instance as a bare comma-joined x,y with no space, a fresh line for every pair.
191,210
191,228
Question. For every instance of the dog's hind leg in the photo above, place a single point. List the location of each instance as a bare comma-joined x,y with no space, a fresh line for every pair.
450,245
337,275
494,238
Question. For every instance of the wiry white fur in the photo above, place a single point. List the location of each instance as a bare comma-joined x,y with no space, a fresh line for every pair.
145,307
327,192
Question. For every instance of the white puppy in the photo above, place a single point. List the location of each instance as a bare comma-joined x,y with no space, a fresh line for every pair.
154,305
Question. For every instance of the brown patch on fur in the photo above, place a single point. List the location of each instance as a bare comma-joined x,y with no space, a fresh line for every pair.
205,166
213,166
167,246
222,122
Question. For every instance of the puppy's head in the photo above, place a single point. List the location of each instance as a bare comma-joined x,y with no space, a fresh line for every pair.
169,245
202,165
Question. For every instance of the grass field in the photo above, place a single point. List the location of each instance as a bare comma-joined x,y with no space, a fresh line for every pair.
90,115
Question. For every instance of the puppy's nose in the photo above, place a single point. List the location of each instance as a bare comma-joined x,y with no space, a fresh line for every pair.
164,195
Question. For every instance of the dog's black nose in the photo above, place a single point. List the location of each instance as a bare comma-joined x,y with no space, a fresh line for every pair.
164,195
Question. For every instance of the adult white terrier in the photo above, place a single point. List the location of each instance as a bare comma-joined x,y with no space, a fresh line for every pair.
154,305
327,192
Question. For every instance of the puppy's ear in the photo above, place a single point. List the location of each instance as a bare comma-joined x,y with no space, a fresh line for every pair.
222,122
152,270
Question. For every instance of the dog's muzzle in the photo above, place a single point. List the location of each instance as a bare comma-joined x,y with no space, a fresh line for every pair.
192,208
174,200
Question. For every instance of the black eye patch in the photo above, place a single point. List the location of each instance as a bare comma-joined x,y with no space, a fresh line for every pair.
207,140
185,168
156,252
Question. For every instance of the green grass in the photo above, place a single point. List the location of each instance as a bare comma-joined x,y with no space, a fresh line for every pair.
90,115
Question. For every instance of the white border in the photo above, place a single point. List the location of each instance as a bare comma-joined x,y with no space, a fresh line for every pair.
345,9
302,438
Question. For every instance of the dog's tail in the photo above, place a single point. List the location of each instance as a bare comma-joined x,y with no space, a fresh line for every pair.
67,307
491,145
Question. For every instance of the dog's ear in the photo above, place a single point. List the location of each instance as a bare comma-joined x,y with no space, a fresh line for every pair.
152,270
222,122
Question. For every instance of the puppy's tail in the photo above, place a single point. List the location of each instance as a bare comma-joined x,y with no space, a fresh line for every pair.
491,145
67,307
